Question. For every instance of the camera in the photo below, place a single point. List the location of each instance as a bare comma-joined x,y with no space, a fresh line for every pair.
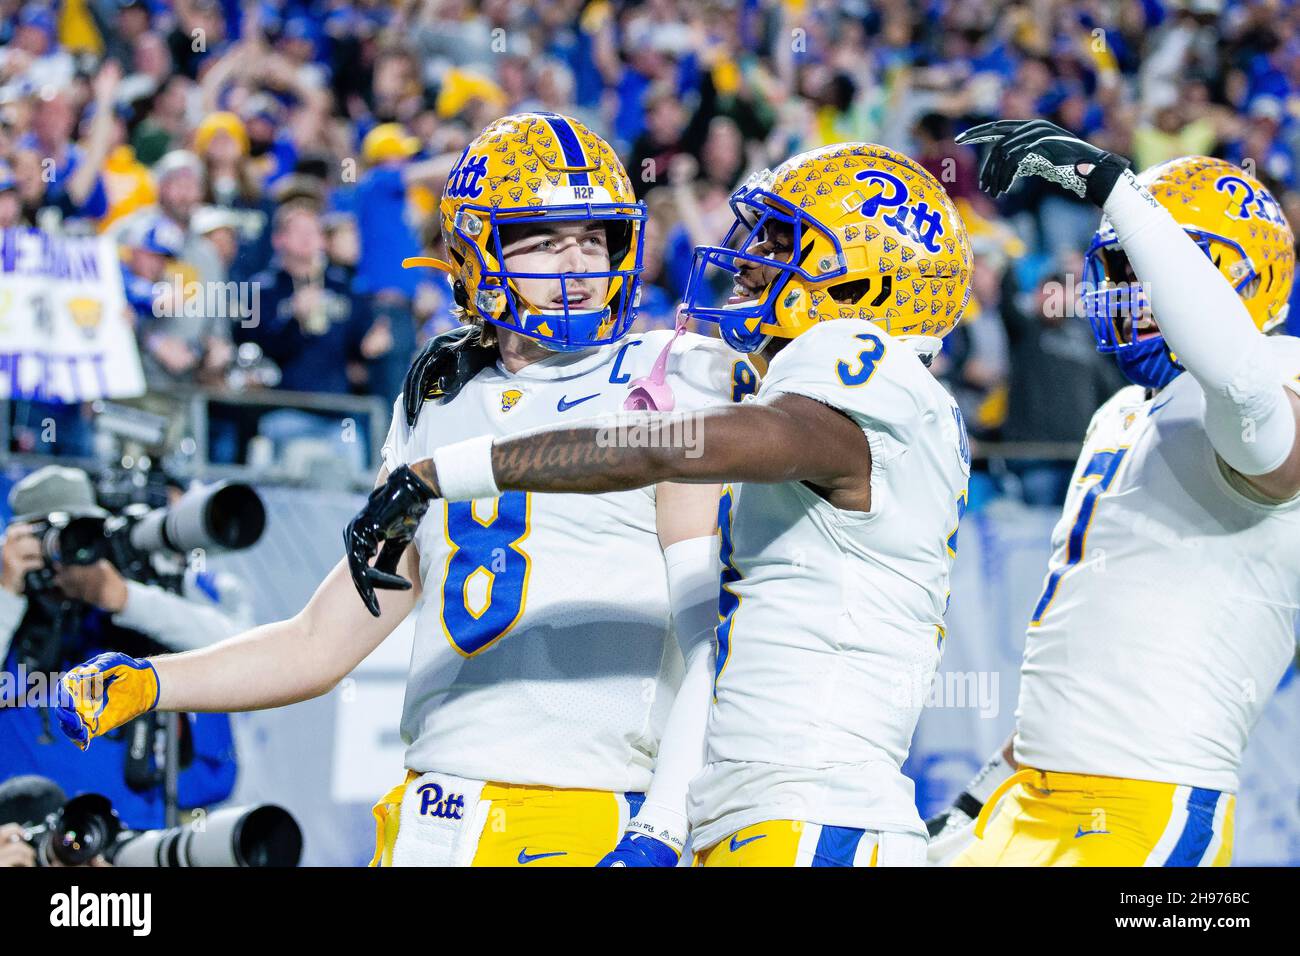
77,832
226,516
87,827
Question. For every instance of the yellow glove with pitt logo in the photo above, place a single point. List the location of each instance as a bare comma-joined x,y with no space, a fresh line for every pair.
103,694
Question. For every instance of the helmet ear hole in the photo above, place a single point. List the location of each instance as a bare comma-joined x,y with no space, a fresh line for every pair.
459,294
850,293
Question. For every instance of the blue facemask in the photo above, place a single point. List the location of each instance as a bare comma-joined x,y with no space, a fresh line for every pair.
1147,363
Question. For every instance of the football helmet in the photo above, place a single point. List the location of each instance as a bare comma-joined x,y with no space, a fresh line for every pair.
869,225
1236,222
541,167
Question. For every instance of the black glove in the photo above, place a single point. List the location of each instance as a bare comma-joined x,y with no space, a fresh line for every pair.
390,516
444,365
1039,148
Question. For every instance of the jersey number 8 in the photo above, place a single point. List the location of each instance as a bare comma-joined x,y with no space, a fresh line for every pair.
486,578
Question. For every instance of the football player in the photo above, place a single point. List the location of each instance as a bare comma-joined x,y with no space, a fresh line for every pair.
847,477
1168,612
543,669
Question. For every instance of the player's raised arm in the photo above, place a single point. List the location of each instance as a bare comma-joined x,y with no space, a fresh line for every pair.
1211,304
269,666
1250,417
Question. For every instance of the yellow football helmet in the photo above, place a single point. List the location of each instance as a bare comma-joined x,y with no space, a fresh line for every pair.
1238,224
869,226
541,167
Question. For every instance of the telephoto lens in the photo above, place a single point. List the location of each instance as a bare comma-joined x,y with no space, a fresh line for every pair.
261,836
225,516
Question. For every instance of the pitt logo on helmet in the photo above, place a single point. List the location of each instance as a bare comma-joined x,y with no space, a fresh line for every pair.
1237,223
545,169
872,236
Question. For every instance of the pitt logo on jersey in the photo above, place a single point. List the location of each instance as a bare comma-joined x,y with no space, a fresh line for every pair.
510,398
433,804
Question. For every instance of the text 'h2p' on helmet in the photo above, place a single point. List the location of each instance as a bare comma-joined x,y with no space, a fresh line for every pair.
542,168
873,236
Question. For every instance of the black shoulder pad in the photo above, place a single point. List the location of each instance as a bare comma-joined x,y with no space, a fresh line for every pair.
442,368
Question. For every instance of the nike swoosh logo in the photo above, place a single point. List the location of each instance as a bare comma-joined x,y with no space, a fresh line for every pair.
1081,832
563,405
737,844
525,857
1155,408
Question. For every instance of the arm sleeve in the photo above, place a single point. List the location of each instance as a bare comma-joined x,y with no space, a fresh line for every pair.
1247,417
693,567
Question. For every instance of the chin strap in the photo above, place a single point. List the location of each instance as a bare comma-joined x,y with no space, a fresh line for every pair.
652,393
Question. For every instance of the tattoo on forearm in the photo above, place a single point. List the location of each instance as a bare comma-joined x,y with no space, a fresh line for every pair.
570,459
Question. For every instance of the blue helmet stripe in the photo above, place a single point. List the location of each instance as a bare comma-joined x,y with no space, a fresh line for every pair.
569,143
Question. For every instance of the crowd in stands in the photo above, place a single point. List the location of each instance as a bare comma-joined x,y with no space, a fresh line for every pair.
298,148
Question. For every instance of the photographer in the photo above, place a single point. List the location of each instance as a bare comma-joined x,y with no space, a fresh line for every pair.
53,615
25,801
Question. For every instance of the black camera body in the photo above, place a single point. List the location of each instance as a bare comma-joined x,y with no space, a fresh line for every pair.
225,516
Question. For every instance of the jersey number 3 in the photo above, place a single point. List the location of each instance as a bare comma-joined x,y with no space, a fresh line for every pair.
867,360
486,578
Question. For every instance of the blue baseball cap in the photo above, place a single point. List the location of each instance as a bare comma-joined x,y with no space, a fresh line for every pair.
157,235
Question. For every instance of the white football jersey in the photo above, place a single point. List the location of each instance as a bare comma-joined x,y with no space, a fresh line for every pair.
830,621
543,653
1168,612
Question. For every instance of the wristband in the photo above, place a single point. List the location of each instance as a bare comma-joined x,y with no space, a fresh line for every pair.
662,824
464,470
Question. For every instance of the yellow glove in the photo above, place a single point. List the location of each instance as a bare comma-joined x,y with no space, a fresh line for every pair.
103,694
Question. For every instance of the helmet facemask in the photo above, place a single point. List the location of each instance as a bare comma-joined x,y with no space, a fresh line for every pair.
1118,305
746,323
498,298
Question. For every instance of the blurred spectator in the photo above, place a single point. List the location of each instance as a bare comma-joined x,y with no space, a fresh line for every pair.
310,323
128,183
60,174
182,341
1058,379
179,175
32,61
129,21
388,235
